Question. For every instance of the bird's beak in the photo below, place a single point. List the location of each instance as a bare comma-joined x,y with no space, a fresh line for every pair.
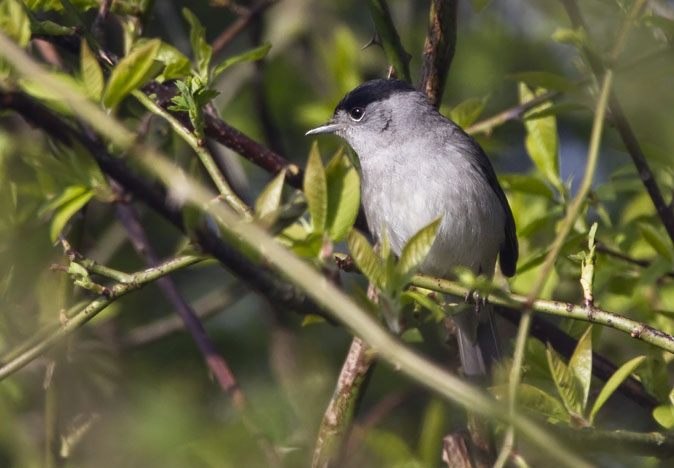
328,127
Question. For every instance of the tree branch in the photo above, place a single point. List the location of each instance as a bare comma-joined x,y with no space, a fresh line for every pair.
389,39
439,49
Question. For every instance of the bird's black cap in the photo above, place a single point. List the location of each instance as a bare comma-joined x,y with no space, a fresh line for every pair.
372,91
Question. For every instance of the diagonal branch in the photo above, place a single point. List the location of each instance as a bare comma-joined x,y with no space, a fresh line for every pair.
389,39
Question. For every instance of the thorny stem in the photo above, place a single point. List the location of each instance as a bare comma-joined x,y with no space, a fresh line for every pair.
390,41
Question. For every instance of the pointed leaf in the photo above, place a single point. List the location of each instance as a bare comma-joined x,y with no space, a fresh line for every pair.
364,256
416,249
270,199
526,184
541,141
656,240
536,400
92,76
467,112
614,382
581,365
66,212
201,49
664,415
316,190
565,382
248,56
130,73
343,196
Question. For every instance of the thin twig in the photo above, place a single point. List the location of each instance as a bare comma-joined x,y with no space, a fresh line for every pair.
439,49
396,55
245,17
101,17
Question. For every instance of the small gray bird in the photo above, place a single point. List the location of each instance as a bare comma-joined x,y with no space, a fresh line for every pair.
418,165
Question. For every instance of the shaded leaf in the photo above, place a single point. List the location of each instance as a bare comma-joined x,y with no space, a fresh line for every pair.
547,80
425,301
412,335
92,76
656,240
248,56
130,73
526,184
581,365
536,400
614,382
316,190
343,196
467,112
432,431
416,249
566,383
364,256
201,49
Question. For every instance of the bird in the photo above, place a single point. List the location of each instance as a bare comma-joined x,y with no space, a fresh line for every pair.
417,165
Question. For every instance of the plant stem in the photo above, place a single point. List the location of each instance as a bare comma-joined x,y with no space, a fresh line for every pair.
390,41
207,160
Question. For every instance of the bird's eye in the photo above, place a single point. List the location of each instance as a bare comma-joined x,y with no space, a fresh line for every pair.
356,113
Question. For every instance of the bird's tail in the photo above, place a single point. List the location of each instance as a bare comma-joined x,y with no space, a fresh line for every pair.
477,339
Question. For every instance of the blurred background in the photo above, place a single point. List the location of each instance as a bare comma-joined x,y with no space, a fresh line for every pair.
132,390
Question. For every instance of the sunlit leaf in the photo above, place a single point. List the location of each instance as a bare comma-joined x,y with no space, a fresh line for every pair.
364,256
269,201
581,364
248,56
343,196
14,21
614,382
66,212
664,415
416,249
542,141
467,112
130,73
566,383
316,190
92,76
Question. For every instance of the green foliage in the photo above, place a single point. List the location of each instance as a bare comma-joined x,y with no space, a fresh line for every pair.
467,112
14,22
131,72
91,74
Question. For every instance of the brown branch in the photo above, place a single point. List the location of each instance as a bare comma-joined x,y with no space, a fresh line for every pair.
246,16
624,128
439,49
99,22
603,248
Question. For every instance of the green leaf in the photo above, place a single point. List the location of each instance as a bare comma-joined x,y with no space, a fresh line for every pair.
565,381
343,196
175,63
541,141
656,240
248,56
50,28
432,431
581,365
664,415
575,37
269,201
92,76
201,49
66,212
412,335
614,382
535,400
526,184
130,73
364,256
416,249
316,190
414,296
467,112
547,80
68,194
15,22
